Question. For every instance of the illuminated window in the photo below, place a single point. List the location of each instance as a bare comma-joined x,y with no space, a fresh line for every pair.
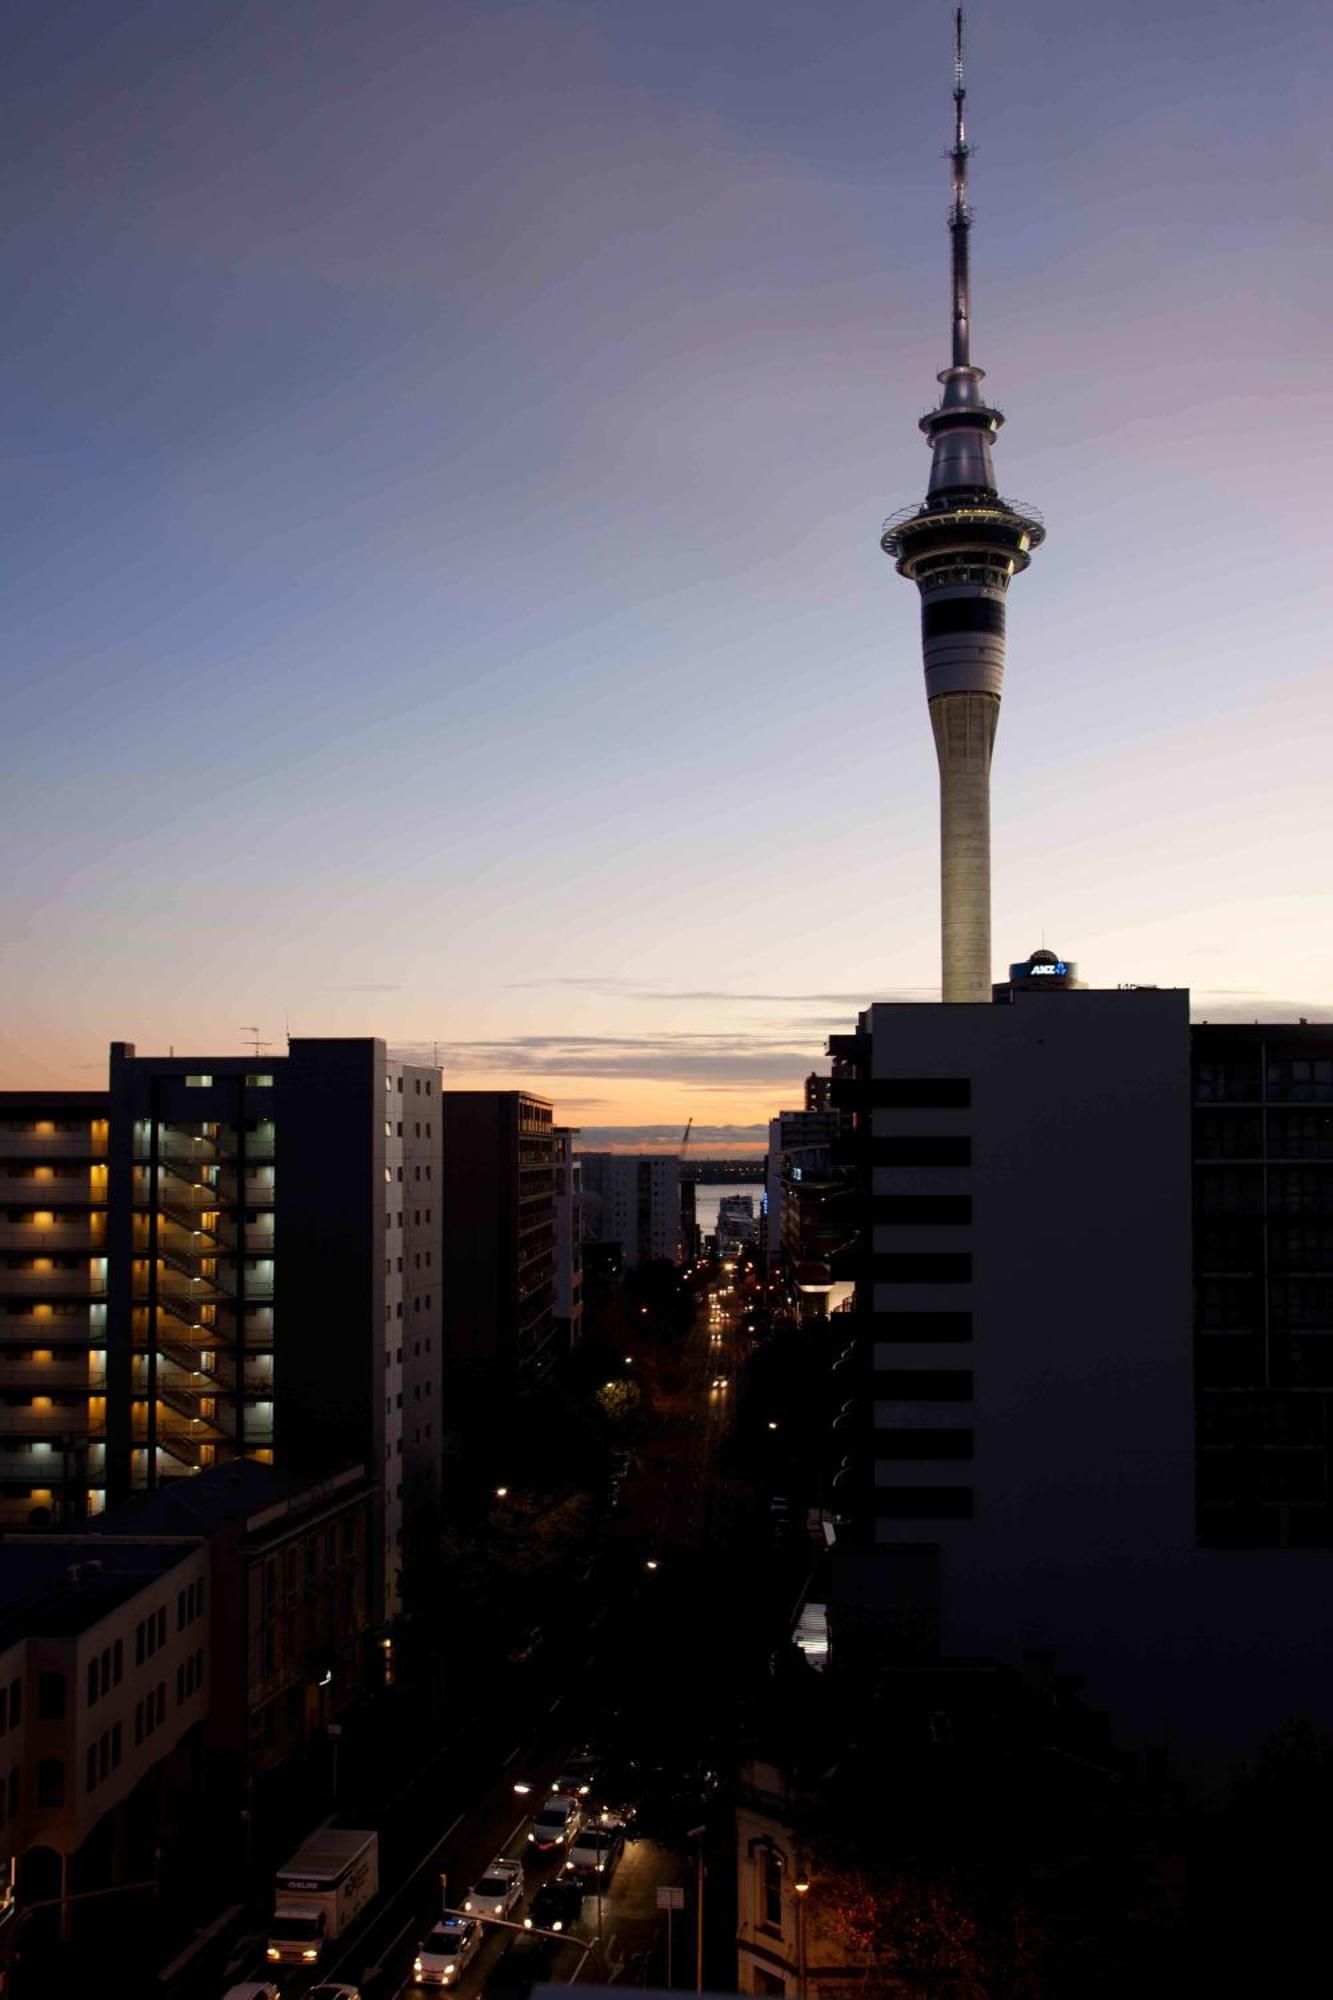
198,1082
260,1082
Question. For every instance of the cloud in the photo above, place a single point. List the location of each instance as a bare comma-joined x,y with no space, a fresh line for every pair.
717,1062
1232,1004
634,989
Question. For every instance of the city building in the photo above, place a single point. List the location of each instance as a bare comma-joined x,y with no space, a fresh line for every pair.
633,1199
1263,1284
498,1225
105,1649
232,1257
568,1239
1020,1468
53,1292
737,1224
804,1186
292,1640
961,547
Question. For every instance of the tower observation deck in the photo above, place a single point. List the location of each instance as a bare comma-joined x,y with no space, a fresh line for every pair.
961,546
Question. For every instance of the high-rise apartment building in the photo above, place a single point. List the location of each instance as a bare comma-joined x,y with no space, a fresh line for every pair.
1021,1383
801,1185
231,1257
53,1293
499,1233
633,1199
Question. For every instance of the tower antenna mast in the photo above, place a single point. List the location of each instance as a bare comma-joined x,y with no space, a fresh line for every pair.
960,216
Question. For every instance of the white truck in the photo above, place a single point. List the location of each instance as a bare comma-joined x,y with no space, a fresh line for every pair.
323,1888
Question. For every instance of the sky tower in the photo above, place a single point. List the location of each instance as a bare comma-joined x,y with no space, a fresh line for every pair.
960,547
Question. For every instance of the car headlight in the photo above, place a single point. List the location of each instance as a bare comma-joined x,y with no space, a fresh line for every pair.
448,1972
527,1923
467,1905
416,1966
308,1954
273,1952
557,1925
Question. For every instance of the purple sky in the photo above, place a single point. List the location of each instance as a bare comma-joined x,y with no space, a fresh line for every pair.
444,453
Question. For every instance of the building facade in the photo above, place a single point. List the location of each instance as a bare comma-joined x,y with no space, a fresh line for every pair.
1262,1141
53,1303
498,1225
1023,1367
224,1258
568,1170
633,1199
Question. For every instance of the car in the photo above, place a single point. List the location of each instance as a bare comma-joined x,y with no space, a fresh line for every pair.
578,1774
498,1891
556,1823
332,1992
557,1906
253,1989
446,1952
595,1851
526,1964
721,1381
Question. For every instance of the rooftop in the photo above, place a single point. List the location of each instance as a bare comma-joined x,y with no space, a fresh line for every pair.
56,1586
244,1490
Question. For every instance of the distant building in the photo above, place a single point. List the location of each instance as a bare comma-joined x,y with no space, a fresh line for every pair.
633,1199
568,1239
737,1224
805,1224
499,1233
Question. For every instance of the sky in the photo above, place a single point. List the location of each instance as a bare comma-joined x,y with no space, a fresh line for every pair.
444,451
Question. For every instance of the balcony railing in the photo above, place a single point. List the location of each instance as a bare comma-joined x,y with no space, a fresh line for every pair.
52,1145
86,1233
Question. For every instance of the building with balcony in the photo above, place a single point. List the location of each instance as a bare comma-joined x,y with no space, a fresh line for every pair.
223,1258
498,1231
53,1305
633,1199
805,1211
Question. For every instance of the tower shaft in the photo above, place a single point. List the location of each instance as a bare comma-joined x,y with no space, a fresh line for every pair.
964,727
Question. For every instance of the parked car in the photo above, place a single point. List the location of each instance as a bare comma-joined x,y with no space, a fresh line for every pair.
498,1892
557,1906
446,1952
556,1823
253,1989
595,1851
526,1964
336,1991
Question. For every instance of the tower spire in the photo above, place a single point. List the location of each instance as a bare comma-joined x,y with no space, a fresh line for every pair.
960,217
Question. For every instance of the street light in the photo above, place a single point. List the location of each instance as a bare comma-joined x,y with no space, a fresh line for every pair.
521,1788
802,1887
502,1492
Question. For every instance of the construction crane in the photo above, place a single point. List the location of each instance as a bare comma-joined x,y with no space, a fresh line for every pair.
685,1137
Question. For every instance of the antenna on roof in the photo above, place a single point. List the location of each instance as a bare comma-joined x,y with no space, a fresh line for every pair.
254,1036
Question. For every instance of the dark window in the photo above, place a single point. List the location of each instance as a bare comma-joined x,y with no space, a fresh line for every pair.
50,1697
138,1722
1234,1080
162,1626
90,1769
772,1868
1301,1135
924,1443
118,1663
924,1385
139,1644
924,1208
180,1610
1228,1135
92,1682
941,1326
51,1782
1300,1191
921,1150
116,1739
942,615
910,1267
1301,1080
919,1503
918,1093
